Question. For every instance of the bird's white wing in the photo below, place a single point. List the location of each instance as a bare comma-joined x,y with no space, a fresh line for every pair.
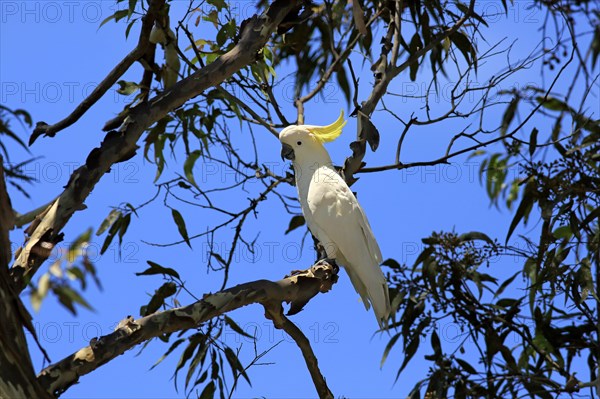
340,224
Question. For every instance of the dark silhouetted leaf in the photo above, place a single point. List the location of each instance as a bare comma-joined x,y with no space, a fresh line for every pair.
533,141
158,299
173,346
388,348
181,226
110,219
295,222
368,131
466,366
188,167
236,366
155,268
209,391
522,210
236,327
475,235
509,115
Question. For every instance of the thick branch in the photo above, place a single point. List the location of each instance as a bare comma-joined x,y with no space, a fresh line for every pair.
274,311
297,290
140,50
17,378
44,232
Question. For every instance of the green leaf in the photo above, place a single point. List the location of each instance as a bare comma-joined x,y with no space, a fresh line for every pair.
466,366
423,255
198,359
409,352
236,327
590,217
129,26
553,104
436,344
158,299
112,232
507,302
82,239
187,354
125,220
584,280
509,115
463,43
209,391
465,10
188,167
110,219
120,14
67,296
392,264
173,346
388,348
563,232
413,47
131,9
475,235
222,36
219,4
368,131
523,209
505,284
595,46
236,366
155,268
181,226
533,141
295,222
159,158
343,83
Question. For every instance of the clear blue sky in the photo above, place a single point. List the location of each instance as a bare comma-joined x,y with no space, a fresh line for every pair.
53,54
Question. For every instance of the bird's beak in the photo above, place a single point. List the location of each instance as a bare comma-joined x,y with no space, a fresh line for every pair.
287,152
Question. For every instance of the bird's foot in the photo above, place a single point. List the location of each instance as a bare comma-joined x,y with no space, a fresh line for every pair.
331,262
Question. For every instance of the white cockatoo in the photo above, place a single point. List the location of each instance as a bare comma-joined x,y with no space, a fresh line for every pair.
333,214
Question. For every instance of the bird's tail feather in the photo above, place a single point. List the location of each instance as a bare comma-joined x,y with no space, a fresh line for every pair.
371,285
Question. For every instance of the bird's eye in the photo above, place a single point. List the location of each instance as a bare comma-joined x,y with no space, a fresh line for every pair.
299,143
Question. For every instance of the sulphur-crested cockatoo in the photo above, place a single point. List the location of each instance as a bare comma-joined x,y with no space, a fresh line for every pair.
333,214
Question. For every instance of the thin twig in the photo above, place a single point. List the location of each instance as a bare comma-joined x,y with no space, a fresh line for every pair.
108,81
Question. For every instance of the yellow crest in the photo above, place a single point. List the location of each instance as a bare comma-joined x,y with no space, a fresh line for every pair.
330,132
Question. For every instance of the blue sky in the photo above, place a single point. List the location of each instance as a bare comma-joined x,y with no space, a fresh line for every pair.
53,54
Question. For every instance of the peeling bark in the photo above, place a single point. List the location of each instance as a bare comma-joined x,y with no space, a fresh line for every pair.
297,290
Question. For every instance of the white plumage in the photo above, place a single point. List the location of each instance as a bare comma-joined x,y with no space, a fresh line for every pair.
333,213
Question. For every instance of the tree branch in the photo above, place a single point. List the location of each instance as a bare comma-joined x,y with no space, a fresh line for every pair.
274,312
44,233
297,289
339,60
17,377
354,163
139,51
392,70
